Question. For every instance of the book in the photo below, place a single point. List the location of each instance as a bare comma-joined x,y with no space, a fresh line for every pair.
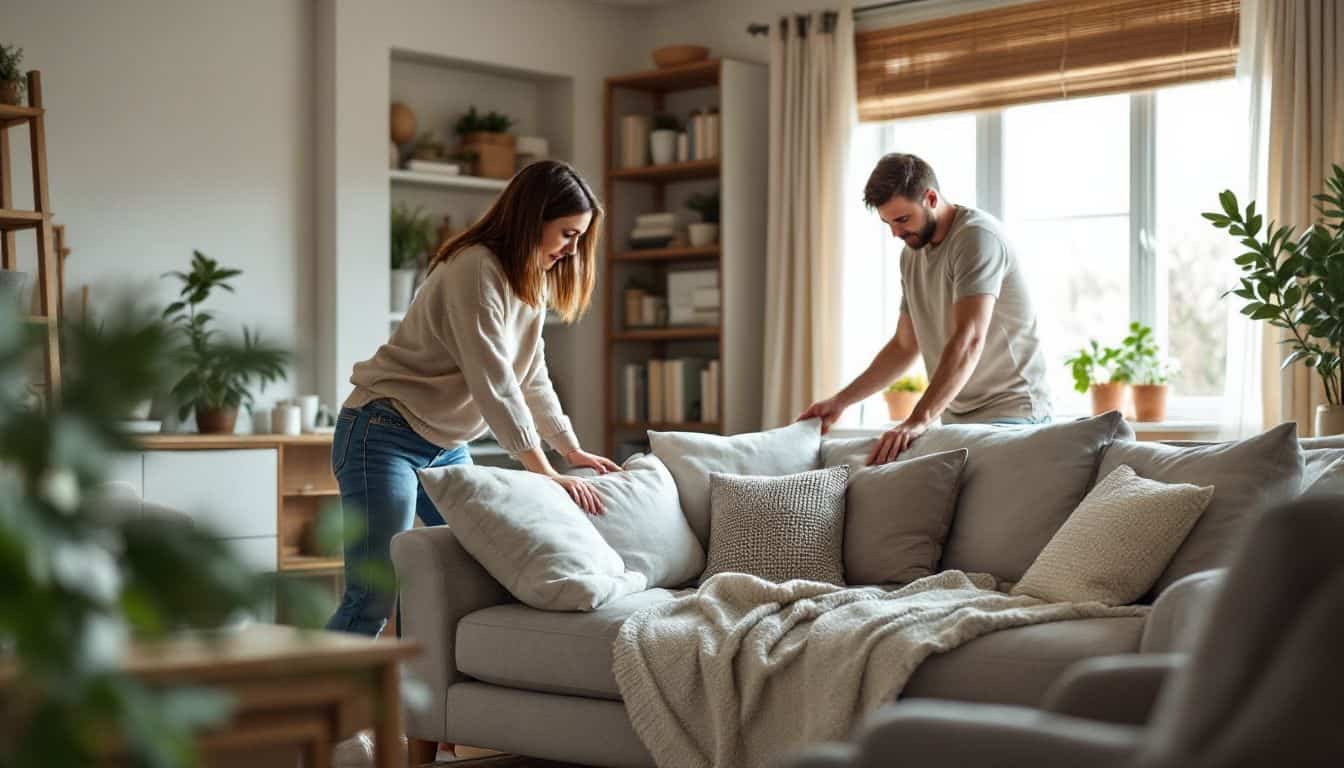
634,306
658,220
636,398
683,400
431,166
654,395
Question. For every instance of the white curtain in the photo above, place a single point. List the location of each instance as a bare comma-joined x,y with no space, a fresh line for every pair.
812,111
1293,53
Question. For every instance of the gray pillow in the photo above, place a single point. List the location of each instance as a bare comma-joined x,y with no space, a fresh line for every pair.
897,515
530,536
692,456
1324,471
1019,486
642,521
779,528
1248,477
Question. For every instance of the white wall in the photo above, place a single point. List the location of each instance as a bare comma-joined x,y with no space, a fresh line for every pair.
174,126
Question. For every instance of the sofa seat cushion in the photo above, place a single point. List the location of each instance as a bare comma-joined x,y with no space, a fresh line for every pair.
567,653
1016,666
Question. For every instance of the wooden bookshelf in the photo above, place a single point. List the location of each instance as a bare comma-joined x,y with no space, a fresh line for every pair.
687,254
739,90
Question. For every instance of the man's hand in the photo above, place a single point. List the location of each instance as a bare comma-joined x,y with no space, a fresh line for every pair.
895,440
827,410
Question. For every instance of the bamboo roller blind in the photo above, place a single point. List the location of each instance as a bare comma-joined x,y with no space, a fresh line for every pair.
1042,51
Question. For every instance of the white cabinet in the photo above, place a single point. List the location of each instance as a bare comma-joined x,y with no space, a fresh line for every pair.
231,492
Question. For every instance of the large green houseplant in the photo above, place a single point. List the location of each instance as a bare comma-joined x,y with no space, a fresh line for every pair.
84,575
217,371
1296,283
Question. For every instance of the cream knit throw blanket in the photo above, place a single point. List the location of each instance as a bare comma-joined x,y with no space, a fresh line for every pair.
744,670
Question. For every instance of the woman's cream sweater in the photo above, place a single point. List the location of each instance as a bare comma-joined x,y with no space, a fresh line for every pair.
468,356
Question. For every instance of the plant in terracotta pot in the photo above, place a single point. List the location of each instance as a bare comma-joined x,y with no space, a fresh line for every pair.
1296,283
487,135
1147,371
11,77
216,372
706,231
1100,371
412,234
903,394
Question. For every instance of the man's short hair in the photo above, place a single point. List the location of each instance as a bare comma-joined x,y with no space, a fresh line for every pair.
899,174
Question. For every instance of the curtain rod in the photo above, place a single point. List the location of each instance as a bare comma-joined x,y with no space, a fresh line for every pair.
861,10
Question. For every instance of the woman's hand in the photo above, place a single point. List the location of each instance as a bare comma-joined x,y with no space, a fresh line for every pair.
581,458
581,492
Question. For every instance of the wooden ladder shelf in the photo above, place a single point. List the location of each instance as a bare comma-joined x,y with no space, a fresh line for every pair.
39,220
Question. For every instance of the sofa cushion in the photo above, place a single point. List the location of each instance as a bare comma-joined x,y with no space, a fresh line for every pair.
1119,540
897,515
1016,666
1323,471
692,456
642,521
1248,477
532,538
568,653
1019,486
779,528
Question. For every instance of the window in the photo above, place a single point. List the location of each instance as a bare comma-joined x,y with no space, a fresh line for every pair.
1101,197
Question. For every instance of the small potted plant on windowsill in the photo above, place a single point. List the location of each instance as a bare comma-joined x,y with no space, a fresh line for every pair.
216,372
903,394
1100,371
1148,373
412,234
11,77
706,231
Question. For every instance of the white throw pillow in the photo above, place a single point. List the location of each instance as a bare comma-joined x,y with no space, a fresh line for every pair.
642,521
692,456
1113,548
530,536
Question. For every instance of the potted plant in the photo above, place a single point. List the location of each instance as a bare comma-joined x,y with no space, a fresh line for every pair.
706,231
1297,284
488,137
1099,370
903,394
663,140
1147,373
11,78
216,372
412,234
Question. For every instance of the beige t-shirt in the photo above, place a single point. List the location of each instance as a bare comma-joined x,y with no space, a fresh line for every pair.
468,356
975,258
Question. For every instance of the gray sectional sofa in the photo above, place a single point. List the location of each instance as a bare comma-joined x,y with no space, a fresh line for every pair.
509,677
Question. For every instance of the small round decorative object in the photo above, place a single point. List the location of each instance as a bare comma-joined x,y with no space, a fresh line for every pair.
403,123
677,55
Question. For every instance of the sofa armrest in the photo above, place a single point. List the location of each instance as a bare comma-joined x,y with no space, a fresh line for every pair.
933,733
1179,612
439,584
1113,689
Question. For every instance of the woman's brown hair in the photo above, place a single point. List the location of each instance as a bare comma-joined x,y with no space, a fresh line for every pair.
512,228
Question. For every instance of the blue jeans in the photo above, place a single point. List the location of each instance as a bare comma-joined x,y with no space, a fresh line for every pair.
374,455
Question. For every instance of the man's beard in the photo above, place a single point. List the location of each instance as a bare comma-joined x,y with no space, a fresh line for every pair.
925,234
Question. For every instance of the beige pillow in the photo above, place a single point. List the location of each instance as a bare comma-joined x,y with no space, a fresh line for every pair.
1116,544
778,528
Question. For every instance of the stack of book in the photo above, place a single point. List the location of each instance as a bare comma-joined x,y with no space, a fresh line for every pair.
693,297
434,166
657,230
644,309
673,391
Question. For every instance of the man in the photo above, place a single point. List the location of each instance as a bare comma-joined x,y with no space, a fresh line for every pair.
965,307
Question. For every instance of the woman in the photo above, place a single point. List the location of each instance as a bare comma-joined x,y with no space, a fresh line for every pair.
468,356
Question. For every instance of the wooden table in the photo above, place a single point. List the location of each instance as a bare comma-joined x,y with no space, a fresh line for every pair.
298,692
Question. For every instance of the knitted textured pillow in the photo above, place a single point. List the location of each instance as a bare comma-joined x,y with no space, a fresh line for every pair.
778,528
1118,541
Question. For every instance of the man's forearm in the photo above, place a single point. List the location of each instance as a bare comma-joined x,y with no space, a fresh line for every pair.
891,361
960,356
